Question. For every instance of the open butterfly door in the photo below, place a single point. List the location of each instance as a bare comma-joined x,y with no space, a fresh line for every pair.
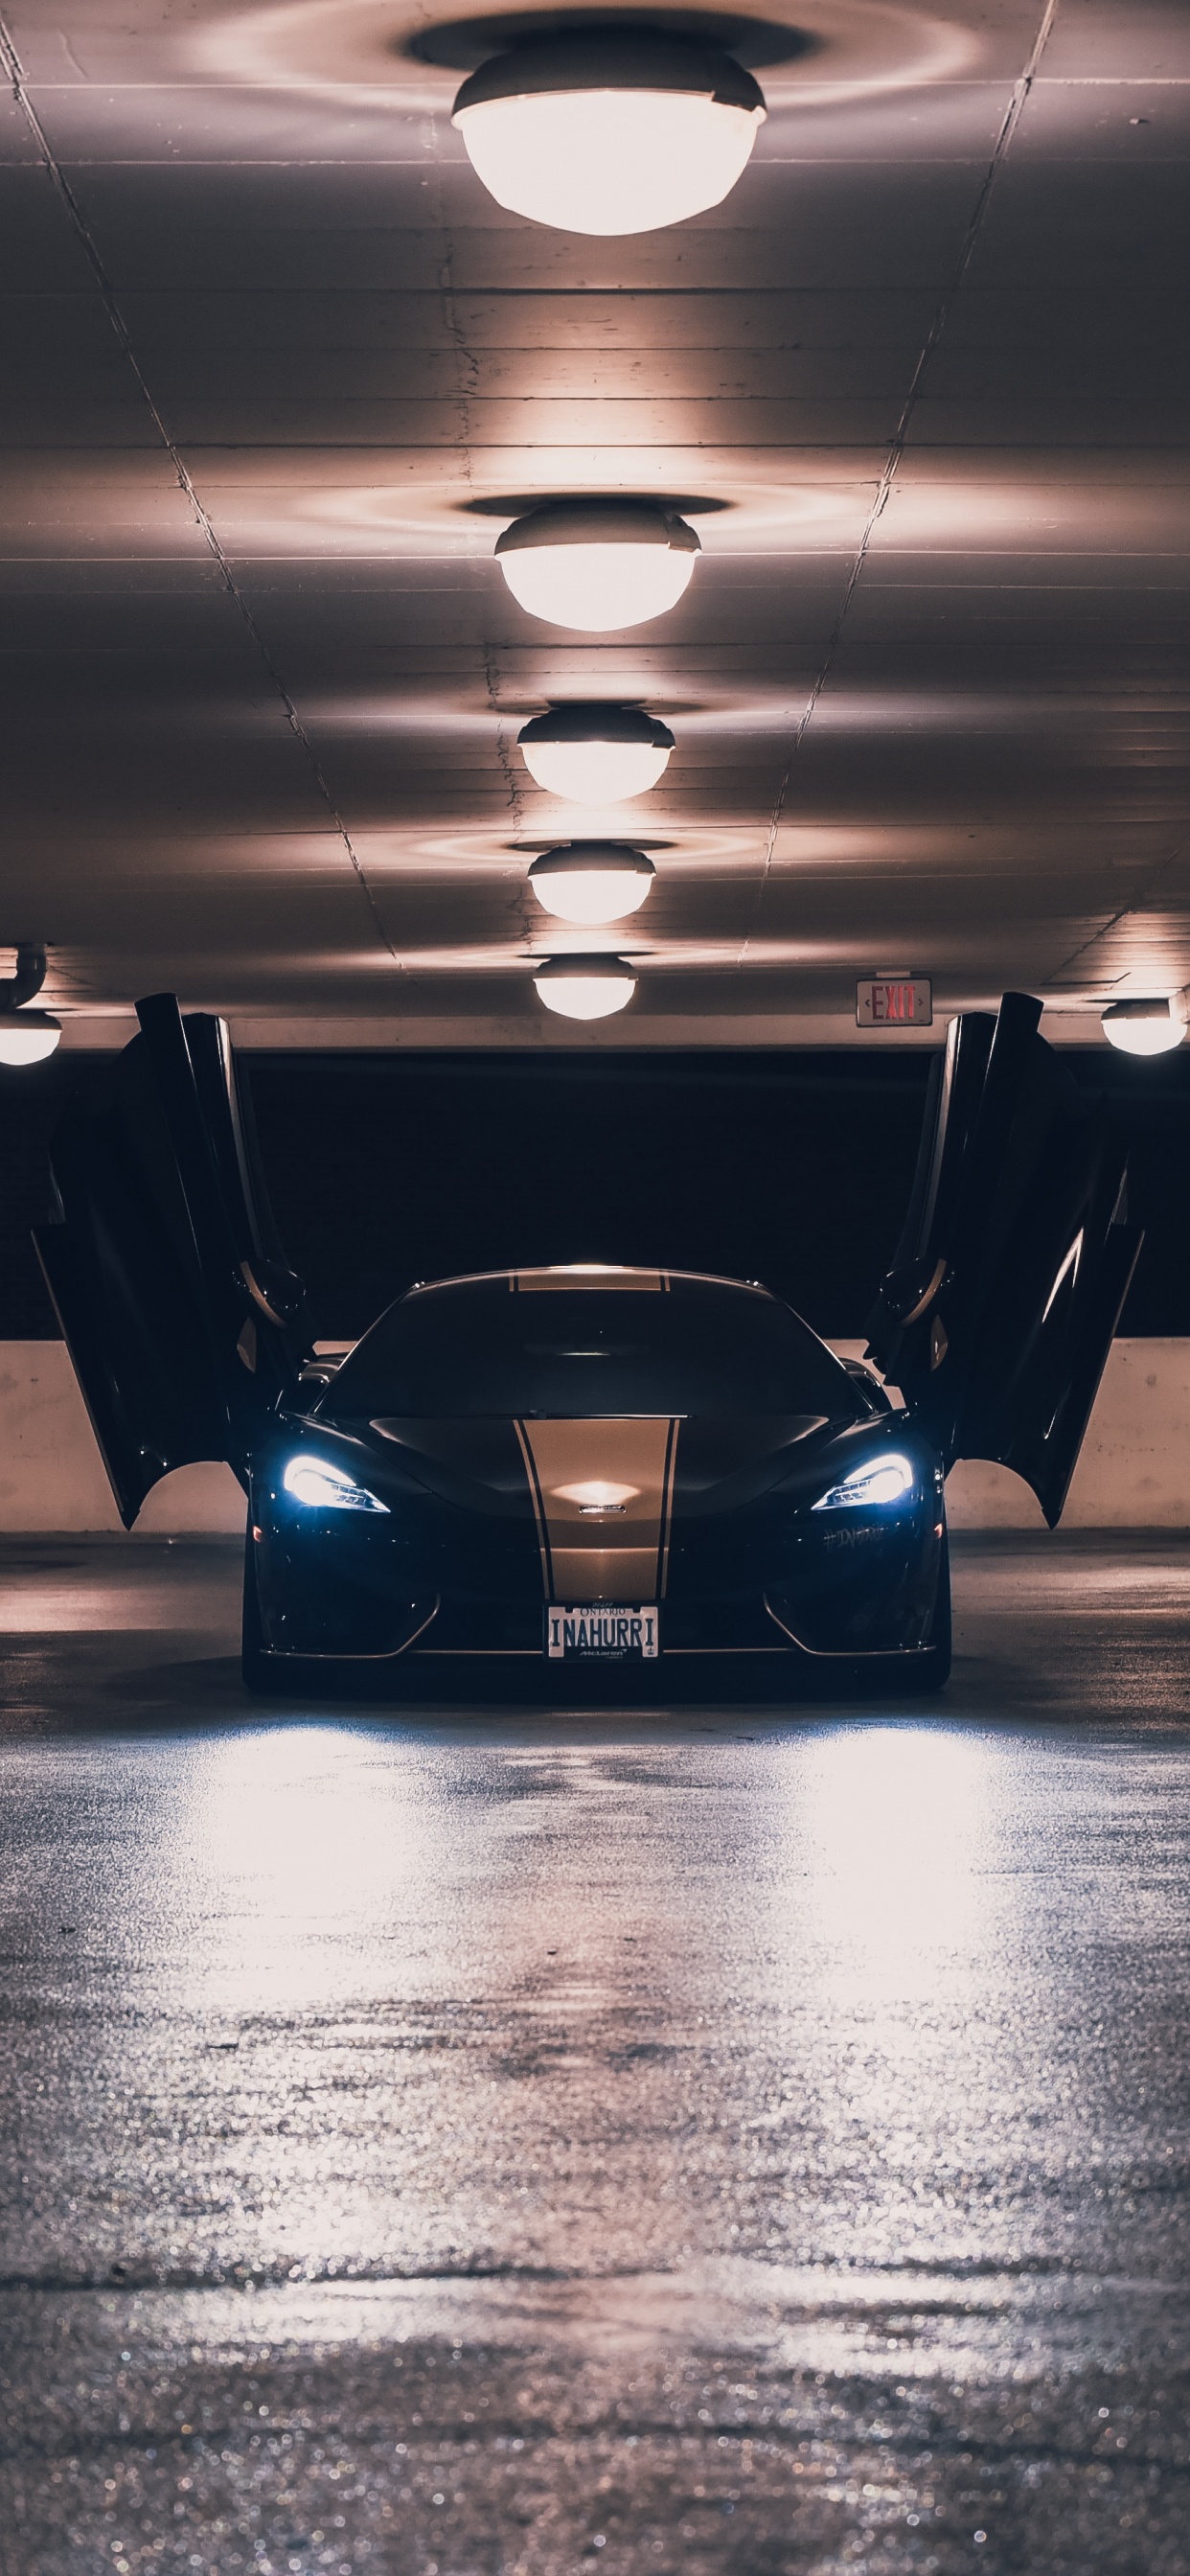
182,1319
998,1314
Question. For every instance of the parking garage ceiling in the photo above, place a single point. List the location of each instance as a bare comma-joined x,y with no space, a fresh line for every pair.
277,371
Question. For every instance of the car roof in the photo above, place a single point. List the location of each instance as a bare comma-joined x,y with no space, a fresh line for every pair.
588,1274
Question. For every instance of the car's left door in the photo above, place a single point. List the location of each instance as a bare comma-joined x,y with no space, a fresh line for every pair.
184,1323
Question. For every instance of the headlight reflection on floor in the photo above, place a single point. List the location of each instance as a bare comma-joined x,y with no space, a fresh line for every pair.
312,1839
901,1946
899,1826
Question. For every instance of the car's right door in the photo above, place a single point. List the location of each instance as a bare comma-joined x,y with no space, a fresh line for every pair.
998,1314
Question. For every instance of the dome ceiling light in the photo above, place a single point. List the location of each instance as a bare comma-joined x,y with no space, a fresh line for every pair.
594,755
1146,1027
609,129
591,881
26,1037
595,566
585,988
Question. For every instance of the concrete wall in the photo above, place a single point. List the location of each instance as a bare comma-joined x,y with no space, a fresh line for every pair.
52,1476
1134,1468
1134,1472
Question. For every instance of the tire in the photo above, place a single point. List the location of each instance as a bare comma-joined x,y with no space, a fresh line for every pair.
941,1631
932,1671
303,1677
903,1676
258,1673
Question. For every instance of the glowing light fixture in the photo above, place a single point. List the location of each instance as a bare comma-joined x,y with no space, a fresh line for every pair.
585,988
326,1488
1146,1028
609,129
591,881
597,565
26,1037
595,755
881,1480
29,1037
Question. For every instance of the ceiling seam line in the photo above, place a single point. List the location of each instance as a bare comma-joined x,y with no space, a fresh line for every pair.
467,393
12,67
1141,896
1012,115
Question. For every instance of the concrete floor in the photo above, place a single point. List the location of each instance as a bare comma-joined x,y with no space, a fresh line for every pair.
453,2146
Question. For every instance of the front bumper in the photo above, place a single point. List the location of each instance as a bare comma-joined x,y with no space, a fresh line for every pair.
348,1588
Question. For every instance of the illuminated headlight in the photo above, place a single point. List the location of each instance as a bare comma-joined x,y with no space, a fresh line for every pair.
315,1481
882,1480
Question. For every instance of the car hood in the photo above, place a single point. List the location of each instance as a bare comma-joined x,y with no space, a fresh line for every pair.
494,1464
604,1490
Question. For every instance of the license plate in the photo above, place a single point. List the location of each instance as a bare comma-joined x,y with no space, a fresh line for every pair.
601,1632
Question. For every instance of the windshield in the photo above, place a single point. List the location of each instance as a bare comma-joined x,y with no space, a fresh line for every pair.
698,1347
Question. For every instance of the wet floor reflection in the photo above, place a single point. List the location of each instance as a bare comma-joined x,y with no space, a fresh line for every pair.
716,2131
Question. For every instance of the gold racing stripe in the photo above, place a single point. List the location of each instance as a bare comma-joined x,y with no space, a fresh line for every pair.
588,1274
603,1496
539,1511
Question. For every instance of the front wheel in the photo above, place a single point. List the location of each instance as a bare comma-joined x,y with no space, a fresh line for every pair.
903,1676
931,1671
259,1670
940,1632
319,1677
254,1663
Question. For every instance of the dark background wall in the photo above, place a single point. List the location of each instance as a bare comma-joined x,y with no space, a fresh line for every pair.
765,1167
792,1167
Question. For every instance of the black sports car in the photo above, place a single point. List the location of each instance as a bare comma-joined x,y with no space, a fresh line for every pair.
654,1472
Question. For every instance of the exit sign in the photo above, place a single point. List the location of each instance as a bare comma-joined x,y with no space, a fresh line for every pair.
894,1002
